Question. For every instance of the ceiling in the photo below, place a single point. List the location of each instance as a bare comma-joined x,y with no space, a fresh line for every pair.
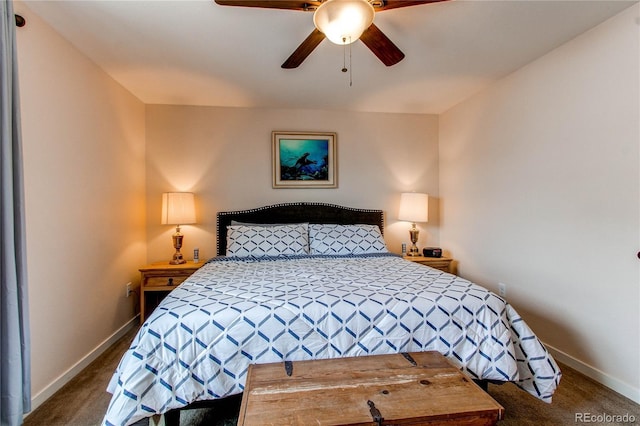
196,52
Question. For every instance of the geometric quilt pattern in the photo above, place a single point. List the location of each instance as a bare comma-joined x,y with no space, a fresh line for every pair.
345,239
200,340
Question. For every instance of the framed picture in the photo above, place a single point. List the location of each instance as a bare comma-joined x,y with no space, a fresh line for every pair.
304,160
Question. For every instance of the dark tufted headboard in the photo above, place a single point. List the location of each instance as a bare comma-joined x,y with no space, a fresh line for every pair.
296,213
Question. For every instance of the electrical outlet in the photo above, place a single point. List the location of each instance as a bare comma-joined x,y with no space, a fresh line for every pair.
502,289
128,289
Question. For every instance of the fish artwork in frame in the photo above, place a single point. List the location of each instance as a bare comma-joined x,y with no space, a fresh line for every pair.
304,160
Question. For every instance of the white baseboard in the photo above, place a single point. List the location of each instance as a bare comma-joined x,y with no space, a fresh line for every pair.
64,378
616,385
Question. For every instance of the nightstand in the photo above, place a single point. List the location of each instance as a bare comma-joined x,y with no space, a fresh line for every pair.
441,263
158,279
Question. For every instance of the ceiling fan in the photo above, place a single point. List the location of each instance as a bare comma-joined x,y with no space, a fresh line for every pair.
326,14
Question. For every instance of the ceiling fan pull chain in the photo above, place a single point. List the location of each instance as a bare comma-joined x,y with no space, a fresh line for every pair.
344,55
350,67
344,58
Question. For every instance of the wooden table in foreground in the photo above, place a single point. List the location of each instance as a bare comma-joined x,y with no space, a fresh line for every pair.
348,391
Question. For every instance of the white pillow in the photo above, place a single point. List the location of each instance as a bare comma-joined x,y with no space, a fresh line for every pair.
261,241
345,239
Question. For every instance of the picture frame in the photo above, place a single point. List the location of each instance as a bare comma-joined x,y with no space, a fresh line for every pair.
304,159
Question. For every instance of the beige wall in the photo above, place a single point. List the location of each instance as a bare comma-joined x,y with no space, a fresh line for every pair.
224,156
539,177
83,138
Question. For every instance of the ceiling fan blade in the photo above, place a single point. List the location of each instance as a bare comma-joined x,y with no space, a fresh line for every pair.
308,5
305,48
395,4
381,46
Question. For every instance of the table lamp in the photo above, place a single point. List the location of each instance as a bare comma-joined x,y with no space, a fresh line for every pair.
414,207
178,208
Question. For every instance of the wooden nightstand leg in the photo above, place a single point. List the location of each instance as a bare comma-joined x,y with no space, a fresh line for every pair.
142,304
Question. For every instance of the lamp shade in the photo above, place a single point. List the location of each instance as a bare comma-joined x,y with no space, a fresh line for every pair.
178,208
414,207
343,21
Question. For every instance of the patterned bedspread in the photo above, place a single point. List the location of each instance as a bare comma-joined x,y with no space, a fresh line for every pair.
201,339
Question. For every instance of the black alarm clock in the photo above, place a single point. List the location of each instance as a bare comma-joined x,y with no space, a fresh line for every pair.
432,252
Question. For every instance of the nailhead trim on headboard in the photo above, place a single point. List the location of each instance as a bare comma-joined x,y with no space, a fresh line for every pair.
296,213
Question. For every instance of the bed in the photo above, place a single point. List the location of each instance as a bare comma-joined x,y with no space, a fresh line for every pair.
302,281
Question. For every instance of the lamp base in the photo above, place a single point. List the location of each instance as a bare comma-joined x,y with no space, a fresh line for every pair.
413,251
413,233
177,259
177,244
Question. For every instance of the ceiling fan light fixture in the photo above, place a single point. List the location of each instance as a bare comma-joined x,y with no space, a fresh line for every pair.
343,21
